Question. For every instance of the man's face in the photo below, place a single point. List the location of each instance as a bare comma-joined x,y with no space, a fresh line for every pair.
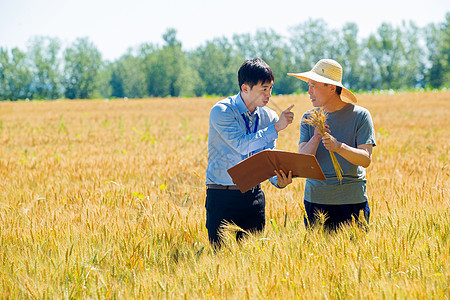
260,93
319,93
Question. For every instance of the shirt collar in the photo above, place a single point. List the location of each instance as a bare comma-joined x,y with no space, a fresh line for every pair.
243,108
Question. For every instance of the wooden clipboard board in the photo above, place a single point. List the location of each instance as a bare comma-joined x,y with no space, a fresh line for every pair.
260,167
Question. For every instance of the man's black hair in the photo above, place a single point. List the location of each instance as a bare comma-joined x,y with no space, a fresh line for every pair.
338,89
254,71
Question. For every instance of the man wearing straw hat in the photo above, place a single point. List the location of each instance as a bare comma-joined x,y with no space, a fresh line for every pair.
240,126
350,135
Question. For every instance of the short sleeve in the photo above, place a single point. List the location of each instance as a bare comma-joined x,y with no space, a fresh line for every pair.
305,130
366,132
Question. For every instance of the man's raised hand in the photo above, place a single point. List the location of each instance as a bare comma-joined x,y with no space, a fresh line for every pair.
286,118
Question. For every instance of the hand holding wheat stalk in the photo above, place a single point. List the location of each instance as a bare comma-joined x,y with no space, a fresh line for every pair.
317,118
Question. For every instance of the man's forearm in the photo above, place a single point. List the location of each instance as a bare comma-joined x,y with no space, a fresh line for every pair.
356,156
310,147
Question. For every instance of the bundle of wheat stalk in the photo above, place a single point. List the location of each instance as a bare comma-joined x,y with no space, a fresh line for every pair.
317,118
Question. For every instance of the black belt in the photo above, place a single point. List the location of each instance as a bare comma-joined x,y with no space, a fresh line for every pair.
224,187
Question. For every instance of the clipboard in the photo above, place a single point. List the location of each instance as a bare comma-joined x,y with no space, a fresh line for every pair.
260,167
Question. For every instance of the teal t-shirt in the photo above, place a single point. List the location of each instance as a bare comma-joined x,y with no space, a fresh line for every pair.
353,126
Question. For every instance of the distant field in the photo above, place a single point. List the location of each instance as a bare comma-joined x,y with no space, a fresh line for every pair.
105,199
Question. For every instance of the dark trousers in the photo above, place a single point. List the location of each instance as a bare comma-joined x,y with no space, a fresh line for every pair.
335,215
245,210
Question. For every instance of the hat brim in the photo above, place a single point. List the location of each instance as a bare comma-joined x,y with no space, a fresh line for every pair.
306,76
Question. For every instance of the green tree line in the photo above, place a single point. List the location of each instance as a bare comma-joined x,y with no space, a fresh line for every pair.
400,58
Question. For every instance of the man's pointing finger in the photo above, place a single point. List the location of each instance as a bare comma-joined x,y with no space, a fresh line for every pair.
289,108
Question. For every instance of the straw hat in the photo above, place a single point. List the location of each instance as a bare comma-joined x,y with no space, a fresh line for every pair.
326,71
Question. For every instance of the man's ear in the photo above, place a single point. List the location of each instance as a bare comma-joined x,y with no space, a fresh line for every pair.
245,88
332,88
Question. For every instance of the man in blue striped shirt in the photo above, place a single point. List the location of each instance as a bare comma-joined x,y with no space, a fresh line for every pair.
240,126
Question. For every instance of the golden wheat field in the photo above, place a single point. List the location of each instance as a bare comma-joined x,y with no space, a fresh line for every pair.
105,199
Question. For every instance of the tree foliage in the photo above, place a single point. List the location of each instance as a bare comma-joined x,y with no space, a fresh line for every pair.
82,65
400,58
45,68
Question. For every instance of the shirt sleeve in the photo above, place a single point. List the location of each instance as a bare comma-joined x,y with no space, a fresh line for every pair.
365,133
305,130
225,122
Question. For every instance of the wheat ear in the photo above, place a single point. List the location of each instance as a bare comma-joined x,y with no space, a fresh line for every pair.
317,118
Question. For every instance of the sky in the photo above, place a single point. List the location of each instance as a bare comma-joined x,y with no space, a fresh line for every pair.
116,25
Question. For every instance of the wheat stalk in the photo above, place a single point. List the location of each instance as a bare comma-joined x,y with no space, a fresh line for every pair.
80,217
317,118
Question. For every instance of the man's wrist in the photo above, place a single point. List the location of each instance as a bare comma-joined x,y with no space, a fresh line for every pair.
340,147
317,138
276,125
280,186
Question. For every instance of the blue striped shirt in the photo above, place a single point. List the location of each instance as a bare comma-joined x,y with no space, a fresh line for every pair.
230,142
